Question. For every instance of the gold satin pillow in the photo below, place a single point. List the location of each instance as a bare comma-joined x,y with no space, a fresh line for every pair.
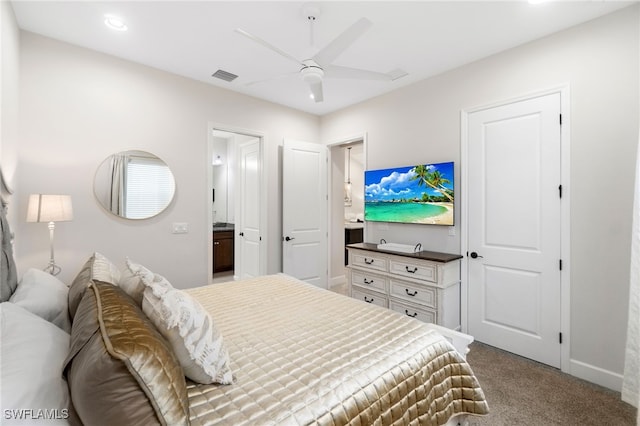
120,369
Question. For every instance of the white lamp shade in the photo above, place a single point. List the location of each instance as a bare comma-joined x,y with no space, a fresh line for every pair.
49,208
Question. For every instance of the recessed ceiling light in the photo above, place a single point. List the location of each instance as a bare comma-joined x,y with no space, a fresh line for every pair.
115,23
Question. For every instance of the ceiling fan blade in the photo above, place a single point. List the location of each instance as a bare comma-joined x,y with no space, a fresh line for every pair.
342,42
316,90
268,46
336,71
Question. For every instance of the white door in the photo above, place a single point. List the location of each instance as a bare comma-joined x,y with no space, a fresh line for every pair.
247,238
514,227
304,211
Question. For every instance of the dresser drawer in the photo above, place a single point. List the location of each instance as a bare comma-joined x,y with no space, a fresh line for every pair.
415,293
369,297
422,314
368,260
368,280
420,271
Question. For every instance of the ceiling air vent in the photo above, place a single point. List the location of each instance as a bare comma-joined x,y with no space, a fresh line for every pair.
224,75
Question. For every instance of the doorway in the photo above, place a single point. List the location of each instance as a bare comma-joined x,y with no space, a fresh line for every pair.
346,207
515,213
235,193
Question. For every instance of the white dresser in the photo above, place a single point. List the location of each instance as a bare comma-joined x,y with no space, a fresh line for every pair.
423,285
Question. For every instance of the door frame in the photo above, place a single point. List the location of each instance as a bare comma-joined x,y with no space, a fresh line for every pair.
262,137
565,212
330,145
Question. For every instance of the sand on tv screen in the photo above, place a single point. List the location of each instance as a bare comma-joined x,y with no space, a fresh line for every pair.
413,194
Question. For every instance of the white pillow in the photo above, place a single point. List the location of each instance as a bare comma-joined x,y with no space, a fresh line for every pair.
190,330
131,282
44,295
32,352
103,269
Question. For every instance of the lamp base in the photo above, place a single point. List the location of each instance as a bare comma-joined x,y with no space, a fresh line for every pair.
52,268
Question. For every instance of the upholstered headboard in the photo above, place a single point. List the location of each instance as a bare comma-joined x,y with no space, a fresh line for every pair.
8,273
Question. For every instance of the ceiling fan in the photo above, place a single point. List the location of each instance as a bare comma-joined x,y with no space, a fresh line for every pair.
316,68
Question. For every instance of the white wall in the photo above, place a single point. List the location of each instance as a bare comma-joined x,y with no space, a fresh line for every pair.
79,106
599,60
9,102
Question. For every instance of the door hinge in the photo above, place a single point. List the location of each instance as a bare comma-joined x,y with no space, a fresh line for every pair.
560,264
561,119
560,337
560,191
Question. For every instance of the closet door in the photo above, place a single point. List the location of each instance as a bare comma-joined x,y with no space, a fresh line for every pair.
514,275
304,211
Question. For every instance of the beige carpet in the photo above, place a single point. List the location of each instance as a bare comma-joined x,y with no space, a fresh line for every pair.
524,392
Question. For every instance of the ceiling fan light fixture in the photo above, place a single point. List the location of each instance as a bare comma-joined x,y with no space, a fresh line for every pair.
311,72
312,75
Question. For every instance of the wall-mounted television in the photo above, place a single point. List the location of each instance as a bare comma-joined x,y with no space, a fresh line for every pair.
414,194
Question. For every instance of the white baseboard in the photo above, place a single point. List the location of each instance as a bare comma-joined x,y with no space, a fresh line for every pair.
336,281
597,375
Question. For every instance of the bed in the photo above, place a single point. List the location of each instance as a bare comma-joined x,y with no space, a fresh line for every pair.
294,354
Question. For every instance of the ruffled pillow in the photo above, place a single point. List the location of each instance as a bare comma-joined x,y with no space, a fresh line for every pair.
131,281
188,327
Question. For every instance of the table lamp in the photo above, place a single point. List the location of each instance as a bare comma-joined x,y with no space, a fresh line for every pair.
50,208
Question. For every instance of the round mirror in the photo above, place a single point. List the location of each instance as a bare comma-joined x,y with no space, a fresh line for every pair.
134,184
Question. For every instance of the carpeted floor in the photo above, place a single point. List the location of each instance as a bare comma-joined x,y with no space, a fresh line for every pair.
523,392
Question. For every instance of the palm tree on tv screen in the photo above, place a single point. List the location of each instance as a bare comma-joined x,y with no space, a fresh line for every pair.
434,179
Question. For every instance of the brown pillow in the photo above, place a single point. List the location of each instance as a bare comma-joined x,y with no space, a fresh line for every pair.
120,370
97,268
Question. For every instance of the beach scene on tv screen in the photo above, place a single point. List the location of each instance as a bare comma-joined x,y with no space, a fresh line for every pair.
413,194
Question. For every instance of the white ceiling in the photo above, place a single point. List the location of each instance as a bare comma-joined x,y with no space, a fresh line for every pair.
194,39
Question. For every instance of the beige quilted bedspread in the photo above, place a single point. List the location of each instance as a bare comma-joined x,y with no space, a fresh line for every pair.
302,355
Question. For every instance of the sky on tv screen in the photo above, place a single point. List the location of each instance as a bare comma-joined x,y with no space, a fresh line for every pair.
401,183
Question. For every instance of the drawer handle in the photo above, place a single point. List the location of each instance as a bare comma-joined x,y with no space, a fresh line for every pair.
368,261
368,300
411,271
366,281
415,314
415,292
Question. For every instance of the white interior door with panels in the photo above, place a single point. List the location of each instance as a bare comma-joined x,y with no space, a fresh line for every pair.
304,211
514,227
247,237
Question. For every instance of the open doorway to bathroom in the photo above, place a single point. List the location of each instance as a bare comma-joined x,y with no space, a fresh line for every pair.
235,191
347,206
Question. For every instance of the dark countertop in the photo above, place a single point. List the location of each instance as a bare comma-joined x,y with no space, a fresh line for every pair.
434,256
222,227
